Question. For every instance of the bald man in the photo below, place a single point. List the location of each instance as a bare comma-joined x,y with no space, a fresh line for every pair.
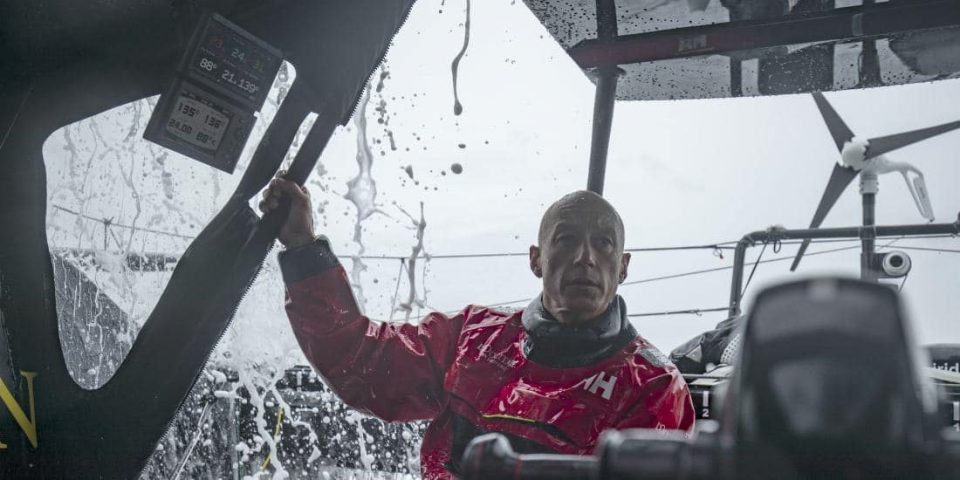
551,377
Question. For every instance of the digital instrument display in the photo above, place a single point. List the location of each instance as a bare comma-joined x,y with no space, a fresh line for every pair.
235,62
197,121
208,111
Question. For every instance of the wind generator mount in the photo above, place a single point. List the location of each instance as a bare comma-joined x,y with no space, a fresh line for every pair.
889,265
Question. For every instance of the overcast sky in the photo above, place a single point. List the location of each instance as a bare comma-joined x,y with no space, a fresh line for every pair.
680,173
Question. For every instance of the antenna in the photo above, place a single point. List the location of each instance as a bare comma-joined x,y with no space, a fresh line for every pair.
865,158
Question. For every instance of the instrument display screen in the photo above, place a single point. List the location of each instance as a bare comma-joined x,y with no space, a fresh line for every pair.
234,61
198,121
208,111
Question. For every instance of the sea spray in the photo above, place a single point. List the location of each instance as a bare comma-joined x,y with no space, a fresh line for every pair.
121,196
362,193
411,265
455,65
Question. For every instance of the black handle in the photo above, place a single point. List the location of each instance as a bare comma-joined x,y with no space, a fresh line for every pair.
490,457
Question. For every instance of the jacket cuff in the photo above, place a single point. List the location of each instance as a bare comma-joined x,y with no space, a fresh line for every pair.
307,260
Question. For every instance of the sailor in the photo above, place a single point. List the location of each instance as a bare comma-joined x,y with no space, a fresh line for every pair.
550,377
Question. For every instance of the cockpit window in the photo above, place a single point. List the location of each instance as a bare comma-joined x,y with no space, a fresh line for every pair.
120,213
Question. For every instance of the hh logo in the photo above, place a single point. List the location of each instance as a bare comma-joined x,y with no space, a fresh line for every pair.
600,383
29,426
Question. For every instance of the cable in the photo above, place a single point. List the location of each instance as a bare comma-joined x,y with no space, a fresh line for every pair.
730,267
699,272
756,264
694,272
694,311
16,116
131,227
904,282
925,249
687,274
193,442
718,246
840,240
396,290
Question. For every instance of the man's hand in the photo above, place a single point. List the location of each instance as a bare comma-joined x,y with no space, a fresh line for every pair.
297,229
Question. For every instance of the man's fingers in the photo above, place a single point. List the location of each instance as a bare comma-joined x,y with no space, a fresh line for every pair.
295,192
268,203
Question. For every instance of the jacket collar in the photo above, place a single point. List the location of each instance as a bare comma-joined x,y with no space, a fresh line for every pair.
552,344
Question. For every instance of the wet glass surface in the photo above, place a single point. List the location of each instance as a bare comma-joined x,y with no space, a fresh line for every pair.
892,60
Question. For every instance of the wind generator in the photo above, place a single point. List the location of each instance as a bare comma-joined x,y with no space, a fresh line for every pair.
866,159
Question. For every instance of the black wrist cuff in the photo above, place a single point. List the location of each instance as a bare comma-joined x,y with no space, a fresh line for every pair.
307,260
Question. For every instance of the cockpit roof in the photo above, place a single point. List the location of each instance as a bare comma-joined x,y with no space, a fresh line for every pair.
679,49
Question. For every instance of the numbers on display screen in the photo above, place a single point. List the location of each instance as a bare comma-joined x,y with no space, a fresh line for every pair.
207,64
197,123
175,125
187,109
240,82
237,63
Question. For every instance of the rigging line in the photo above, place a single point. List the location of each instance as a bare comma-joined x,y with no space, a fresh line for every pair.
925,249
396,290
695,272
730,267
848,240
693,311
719,246
193,442
904,282
16,116
715,247
755,265
131,227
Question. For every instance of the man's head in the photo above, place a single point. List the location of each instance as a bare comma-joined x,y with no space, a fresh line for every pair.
579,257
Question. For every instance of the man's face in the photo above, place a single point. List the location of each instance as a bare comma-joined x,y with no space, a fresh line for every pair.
581,261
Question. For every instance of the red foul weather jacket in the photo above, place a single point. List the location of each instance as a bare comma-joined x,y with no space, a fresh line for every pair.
548,388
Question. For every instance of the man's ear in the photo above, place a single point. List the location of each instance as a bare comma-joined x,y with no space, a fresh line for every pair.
535,266
624,263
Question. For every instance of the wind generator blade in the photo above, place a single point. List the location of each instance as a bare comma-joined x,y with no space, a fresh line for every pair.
839,130
881,145
839,179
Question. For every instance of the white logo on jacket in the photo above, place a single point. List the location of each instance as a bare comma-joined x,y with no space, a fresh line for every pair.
599,382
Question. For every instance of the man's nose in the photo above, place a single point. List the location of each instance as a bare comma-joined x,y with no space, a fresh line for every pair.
586,255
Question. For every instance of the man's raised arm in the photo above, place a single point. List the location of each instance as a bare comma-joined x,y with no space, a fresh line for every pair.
392,370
